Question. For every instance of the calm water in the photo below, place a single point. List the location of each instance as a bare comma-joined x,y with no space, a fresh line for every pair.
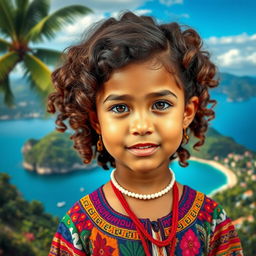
55,188
237,120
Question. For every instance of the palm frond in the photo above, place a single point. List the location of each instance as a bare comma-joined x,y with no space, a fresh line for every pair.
37,10
7,63
51,24
19,16
4,45
38,72
6,89
7,12
50,57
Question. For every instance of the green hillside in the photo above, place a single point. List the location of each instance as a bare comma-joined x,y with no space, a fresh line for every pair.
215,145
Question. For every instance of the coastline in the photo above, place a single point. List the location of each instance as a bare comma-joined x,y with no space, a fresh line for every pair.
231,177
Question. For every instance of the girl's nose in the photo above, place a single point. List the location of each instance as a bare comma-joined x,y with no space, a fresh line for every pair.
141,124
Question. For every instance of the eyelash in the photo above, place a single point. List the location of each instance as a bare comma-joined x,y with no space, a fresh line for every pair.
116,112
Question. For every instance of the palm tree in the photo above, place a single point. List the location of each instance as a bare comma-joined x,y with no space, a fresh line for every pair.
23,22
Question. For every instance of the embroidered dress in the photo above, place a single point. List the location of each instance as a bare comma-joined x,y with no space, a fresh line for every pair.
92,227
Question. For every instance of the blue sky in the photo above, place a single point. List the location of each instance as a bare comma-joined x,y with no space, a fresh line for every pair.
227,27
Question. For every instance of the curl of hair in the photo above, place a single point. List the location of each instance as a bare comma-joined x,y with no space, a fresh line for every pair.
114,44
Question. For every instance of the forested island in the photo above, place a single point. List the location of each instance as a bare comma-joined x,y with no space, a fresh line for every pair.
52,154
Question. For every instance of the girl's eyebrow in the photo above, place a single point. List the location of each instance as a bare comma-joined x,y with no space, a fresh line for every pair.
150,95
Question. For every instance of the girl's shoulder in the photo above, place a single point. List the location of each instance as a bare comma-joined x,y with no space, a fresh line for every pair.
197,205
87,202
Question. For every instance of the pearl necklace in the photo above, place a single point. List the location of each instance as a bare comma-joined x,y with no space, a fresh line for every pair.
143,196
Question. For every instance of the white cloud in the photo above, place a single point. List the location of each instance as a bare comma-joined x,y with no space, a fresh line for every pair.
235,54
252,58
101,5
74,32
231,57
138,12
143,12
171,2
238,39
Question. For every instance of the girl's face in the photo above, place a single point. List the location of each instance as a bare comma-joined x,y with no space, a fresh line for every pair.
140,104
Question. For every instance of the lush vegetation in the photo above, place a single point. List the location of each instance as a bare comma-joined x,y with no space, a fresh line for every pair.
237,88
23,22
240,201
25,229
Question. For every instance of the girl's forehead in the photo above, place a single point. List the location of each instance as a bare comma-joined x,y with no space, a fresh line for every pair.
140,79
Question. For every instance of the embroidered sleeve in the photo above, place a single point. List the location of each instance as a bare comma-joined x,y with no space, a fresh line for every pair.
224,239
67,240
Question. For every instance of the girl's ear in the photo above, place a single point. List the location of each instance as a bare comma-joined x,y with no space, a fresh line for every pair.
190,111
95,122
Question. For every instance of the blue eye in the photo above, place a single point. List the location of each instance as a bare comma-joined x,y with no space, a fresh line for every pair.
119,108
162,105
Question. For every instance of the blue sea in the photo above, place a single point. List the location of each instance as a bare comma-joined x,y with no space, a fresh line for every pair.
233,119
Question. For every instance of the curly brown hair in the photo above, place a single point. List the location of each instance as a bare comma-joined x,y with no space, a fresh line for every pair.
114,44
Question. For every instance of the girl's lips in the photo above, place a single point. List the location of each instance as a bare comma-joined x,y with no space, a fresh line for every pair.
143,151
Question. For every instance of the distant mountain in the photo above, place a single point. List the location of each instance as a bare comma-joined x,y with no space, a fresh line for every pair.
237,88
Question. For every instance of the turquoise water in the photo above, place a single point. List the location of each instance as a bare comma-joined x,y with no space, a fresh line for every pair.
233,119
236,119
55,188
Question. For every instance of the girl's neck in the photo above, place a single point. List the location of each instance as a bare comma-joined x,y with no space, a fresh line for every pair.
143,181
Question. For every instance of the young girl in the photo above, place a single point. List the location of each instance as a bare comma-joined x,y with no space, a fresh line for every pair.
133,92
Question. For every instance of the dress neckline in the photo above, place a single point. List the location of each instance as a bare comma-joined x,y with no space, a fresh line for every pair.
109,208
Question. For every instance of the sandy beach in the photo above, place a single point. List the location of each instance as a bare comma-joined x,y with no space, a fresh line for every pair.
231,177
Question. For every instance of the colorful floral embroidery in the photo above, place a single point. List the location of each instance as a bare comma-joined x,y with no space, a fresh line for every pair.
100,247
206,213
189,244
